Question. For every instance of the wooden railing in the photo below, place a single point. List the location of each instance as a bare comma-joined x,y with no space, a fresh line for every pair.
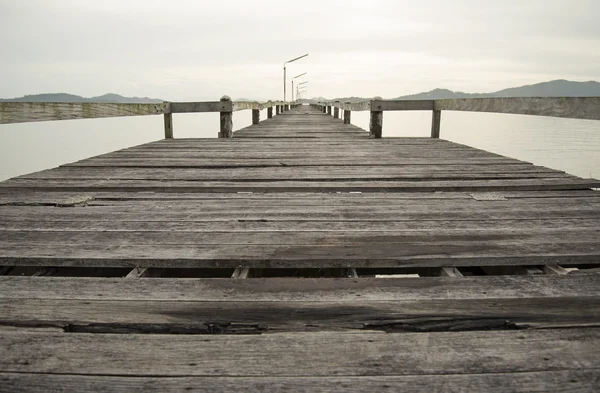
23,112
570,107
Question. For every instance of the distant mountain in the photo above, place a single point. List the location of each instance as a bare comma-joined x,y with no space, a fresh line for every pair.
64,97
557,88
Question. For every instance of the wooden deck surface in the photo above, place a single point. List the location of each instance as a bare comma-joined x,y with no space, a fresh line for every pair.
300,191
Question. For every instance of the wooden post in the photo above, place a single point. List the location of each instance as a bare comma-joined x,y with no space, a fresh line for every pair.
347,115
255,116
270,112
376,121
226,121
436,119
168,125
328,109
336,112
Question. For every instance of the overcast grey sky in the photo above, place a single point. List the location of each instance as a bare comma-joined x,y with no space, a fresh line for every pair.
200,50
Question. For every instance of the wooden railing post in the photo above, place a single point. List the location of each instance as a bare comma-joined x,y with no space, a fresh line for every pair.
347,114
329,109
336,110
270,112
168,125
226,121
436,120
376,121
255,116
324,108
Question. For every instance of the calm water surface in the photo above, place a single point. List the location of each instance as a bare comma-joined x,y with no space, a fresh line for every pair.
565,144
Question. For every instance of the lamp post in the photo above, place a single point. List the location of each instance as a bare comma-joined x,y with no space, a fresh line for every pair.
297,76
284,71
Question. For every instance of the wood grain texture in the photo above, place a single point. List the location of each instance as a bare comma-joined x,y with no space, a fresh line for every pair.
22,112
314,354
572,107
196,107
570,381
287,290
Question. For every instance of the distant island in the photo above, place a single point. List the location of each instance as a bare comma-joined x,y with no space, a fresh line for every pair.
64,97
556,88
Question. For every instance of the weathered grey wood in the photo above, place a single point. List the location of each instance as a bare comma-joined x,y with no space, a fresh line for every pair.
543,381
356,254
270,112
195,107
401,105
376,124
226,130
336,112
401,316
255,116
168,118
347,114
361,354
436,120
20,112
571,107
329,109
300,186
268,290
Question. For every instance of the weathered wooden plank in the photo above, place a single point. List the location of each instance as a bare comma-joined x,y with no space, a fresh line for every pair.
360,354
355,255
440,237
374,173
303,289
22,198
20,112
270,162
543,381
572,107
176,224
400,316
401,105
195,107
300,186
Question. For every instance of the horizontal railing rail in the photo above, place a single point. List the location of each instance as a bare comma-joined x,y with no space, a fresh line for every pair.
568,107
24,112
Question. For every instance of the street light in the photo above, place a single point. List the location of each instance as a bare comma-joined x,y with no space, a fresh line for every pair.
284,76
297,76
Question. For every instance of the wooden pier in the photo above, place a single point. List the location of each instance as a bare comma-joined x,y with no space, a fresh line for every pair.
301,253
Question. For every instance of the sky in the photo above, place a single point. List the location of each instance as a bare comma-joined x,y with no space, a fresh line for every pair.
194,50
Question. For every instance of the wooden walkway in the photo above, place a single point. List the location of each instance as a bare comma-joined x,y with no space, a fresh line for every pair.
115,270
